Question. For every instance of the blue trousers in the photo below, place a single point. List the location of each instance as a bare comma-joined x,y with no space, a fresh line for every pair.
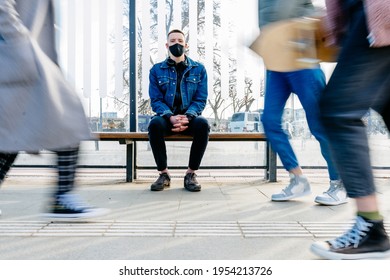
361,80
308,85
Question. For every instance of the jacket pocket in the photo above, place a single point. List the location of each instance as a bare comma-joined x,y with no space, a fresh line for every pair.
192,83
18,62
163,83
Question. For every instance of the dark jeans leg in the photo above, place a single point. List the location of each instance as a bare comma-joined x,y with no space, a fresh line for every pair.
66,165
6,161
386,115
357,84
199,128
382,104
158,129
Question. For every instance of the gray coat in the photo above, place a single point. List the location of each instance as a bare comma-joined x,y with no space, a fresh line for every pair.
275,10
38,108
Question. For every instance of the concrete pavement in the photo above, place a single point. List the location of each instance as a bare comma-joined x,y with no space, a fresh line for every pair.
231,218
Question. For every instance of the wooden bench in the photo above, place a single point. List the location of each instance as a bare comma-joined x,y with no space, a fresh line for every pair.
130,138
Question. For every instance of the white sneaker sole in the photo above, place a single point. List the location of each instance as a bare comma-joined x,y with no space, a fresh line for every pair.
329,203
286,198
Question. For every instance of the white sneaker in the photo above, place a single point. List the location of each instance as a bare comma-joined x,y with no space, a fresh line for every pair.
299,186
335,195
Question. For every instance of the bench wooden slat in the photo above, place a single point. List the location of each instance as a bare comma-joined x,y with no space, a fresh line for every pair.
214,136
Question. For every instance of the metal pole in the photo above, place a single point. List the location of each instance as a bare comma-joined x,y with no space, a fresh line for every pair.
101,115
131,148
133,66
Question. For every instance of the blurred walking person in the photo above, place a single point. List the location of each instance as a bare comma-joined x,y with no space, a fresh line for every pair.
308,85
360,81
38,108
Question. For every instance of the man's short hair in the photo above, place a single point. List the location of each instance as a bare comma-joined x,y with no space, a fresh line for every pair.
176,31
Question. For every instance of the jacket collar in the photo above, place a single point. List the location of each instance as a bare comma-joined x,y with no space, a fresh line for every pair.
168,62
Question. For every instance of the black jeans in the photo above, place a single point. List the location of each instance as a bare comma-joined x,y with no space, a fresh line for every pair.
159,127
361,80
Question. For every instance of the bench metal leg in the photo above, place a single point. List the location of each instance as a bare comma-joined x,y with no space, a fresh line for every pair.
135,176
272,160
266,171
130,162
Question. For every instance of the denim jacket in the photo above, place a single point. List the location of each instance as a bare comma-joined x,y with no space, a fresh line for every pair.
193,87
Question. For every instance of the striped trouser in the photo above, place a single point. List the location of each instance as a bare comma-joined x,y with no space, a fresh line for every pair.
66,165
6,161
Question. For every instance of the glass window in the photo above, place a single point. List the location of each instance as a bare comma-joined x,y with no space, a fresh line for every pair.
238,117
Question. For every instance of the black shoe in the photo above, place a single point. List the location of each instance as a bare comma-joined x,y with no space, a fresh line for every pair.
367,239
190,183
162,182
70,206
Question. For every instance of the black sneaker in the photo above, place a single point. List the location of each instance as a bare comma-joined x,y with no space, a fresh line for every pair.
190,183
70,206
367,239
162,182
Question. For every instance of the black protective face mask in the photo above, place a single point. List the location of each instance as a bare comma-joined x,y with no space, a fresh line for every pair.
176,50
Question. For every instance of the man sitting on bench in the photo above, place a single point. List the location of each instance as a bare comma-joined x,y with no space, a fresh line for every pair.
178,95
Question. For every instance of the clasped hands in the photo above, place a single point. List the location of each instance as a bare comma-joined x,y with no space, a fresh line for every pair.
179,123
